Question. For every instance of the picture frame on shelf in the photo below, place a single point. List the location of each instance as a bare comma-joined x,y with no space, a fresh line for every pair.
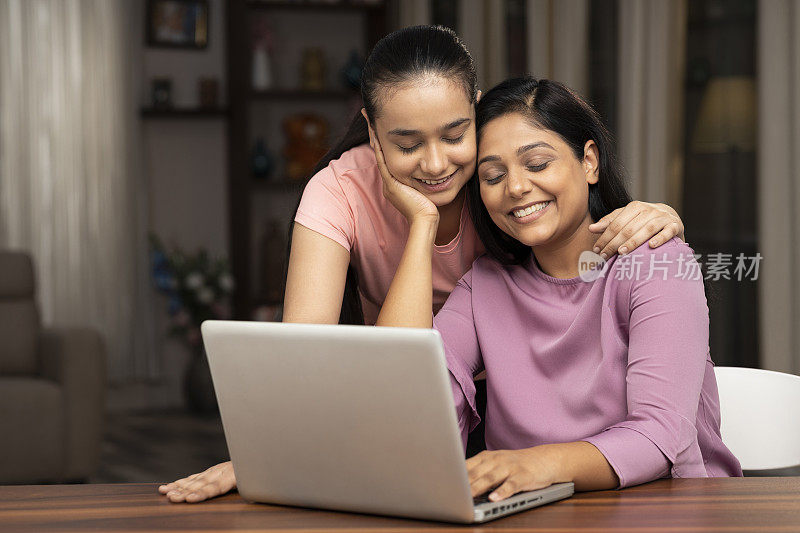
177,24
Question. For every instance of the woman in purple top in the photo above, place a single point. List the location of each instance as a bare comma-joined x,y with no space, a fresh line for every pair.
600,376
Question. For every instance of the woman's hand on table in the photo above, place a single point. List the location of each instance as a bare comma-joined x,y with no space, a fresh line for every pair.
511,471
627,228
214,481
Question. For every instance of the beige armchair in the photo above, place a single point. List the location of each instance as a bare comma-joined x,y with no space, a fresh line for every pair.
52,387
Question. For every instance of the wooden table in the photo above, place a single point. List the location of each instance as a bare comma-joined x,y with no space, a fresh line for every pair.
728,504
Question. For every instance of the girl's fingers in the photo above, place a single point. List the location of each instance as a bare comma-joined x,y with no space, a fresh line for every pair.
602,224
670,230
612,231
644,231
620,230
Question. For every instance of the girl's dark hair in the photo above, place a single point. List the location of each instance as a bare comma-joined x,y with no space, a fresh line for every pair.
551,106
403,56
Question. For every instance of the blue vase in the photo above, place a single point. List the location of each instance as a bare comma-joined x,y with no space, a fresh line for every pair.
263,161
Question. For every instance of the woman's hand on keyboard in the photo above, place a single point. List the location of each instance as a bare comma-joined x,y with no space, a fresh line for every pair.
215,481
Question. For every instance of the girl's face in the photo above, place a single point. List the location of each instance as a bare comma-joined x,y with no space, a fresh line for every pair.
426,130
533,186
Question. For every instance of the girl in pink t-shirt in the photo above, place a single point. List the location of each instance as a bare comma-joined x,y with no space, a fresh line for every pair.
419,88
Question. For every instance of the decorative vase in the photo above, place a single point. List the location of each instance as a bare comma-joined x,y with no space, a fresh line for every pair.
263,161
262,69
198,389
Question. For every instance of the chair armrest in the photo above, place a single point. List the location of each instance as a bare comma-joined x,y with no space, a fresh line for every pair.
76,359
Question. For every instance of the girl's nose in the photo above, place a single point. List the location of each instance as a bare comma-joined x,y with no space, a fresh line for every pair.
434,162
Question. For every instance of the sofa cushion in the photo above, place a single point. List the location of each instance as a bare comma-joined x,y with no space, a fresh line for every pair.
32,422
16,275
19,331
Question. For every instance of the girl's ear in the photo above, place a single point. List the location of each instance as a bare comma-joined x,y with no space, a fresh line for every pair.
591,162
372,136
478,96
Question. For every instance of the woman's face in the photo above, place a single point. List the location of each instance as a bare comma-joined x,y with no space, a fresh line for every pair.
533,186
426,130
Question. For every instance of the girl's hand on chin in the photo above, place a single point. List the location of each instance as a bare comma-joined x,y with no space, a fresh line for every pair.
414,205
512,471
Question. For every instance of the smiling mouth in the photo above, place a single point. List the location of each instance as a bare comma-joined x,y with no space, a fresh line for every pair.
533,208
437,182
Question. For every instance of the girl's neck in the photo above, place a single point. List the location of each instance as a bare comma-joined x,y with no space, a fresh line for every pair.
560,259
450,219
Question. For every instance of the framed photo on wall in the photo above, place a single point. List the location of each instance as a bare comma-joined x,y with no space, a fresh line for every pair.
177,23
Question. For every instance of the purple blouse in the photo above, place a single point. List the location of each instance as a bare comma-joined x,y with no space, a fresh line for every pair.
621,362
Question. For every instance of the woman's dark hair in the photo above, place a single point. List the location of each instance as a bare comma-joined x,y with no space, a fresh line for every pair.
551,106
403,56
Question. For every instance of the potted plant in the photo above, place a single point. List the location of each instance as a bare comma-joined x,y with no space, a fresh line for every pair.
197,287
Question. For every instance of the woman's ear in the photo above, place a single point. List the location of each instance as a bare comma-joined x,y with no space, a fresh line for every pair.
478,96
591,162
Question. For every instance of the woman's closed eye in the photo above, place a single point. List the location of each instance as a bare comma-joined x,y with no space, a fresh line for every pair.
454,140
493,178
537,167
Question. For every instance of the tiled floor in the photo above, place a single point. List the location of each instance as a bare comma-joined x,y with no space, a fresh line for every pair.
150,447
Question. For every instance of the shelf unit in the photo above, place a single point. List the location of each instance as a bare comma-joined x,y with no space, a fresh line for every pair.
261,111
183,112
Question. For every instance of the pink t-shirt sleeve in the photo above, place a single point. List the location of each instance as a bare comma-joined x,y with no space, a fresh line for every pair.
325,209
456,325
667,356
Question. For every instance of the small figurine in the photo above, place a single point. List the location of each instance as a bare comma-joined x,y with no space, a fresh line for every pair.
306,143
312,72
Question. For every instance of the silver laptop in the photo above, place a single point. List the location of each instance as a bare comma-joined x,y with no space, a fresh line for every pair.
349,418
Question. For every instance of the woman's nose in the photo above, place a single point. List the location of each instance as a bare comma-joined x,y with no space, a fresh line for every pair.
434,162
517,184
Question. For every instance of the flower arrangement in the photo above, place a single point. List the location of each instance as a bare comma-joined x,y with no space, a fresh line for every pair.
198,288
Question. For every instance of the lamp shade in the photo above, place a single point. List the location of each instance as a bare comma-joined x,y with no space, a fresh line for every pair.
727,118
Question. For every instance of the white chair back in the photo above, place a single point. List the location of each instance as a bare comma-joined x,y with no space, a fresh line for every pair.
760,412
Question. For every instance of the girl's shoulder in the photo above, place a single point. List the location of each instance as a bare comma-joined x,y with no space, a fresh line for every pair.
357,160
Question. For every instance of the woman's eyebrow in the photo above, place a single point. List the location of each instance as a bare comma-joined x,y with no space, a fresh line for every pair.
488,159
408,133
522,149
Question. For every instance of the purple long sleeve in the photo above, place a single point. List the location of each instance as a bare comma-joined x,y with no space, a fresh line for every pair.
621,362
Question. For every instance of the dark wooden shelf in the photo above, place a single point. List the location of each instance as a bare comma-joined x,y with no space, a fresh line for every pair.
301,94
184,112
342,5
271,185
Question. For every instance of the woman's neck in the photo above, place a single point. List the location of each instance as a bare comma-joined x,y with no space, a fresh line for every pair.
450,219
560,259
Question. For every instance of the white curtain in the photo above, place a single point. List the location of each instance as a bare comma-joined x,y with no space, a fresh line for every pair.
558,41
779,183
652,44
70,190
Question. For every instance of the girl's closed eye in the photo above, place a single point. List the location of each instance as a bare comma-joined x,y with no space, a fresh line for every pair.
409,149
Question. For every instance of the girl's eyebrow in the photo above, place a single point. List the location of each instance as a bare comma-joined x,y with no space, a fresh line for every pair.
408,133
488,159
